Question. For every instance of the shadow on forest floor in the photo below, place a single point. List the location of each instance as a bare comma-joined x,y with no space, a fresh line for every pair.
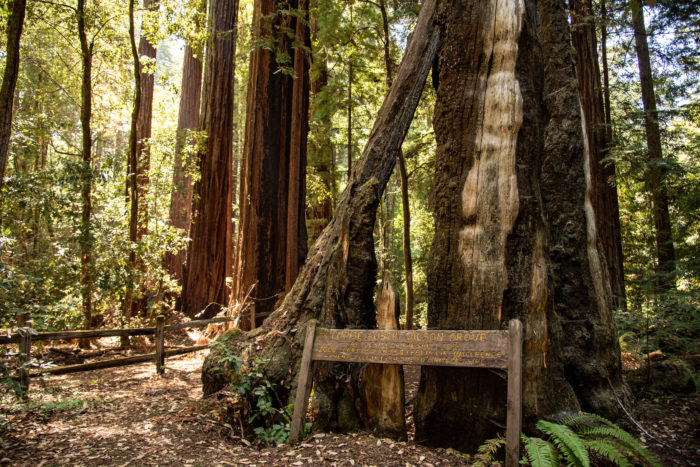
129,416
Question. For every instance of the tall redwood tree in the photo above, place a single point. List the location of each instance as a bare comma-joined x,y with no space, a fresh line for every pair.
188,119
271,244
603,184
209,253
656,173
514,227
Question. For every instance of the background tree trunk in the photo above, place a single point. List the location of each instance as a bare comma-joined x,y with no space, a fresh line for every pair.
15,23
86,273
337,281
403,177
656,172
188,119
604,187
143,150
132,191
209,253
509,241
271,244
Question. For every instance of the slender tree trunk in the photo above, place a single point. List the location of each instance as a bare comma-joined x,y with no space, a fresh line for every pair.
604,193
271,244
656,174
337,282
509,241
86,275
15,23
132,191
143,153
143,122
350,79
403,177
210,252
188,119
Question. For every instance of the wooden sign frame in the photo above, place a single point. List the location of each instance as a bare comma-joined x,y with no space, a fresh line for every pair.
475,349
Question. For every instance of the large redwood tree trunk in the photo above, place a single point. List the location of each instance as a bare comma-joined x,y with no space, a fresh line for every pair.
514,229
336,284
209,253
188,119
15,23
271,244
603,184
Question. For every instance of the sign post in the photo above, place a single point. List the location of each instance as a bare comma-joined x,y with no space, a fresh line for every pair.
476,349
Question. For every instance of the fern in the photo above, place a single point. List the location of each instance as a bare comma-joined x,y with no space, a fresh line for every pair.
594,427
633,447
486,455
540,453
581,420
609,450
567,441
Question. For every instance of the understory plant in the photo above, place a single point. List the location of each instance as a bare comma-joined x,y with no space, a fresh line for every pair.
579,440
261,407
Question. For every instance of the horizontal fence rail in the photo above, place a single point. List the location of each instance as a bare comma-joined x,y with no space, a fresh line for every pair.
25,336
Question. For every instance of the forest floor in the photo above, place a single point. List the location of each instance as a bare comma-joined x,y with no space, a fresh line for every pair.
130,416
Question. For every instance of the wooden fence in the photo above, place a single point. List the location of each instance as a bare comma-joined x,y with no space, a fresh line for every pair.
25,336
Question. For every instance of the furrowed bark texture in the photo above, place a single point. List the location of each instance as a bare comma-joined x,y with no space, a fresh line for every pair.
656,174
336,284
604,188
15,22
271,244
210,251
513,234
188,119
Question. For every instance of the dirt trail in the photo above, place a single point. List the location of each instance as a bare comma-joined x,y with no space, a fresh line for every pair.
129,416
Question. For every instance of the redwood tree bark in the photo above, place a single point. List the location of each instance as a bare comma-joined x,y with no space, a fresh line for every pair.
15,22
656,174
86,273
209,252
188,119
514,230
337,282
271,244
604,188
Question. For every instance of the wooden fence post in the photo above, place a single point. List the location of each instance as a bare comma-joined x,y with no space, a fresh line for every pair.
514,408
160,344
24,357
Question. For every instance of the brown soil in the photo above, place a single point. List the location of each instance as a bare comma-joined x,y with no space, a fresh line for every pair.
129,416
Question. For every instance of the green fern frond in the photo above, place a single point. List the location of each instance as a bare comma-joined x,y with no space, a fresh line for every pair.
540,453
634,447
581,420
608,450
491,447
567,441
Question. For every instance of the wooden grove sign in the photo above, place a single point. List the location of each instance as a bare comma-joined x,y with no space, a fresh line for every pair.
480,349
